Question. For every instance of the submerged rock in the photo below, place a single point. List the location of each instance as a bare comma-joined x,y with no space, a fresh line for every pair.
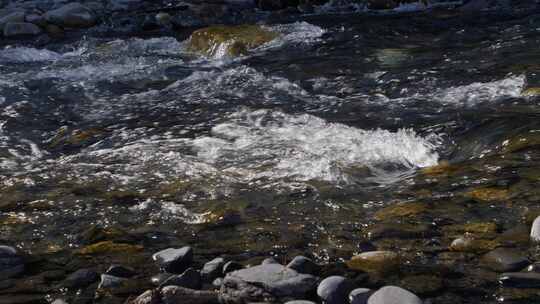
269,282
520,279
269,261
334,290
231,266
212,269
535,230
11,17
400,210
81,278
468,243
11,263
304,265
174,260
375,261
13,29
188,279
109,247
393,295
176,294
73,15
504,260
360,295
220,41
120,271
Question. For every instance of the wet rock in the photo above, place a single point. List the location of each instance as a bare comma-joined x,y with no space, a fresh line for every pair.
74,15
375,261
518,235
382,4
231,266
212,269
273,5
488,194
158,279
174,260
217,282
109,281
422,284
81,278
175,295
5,284
147,297
163,19
334,290
120,271
59,301
535,230
11,263
36,19
520,279
469,244
360,295
304,265
269,261
109,247
189,279
474,227
534,91
504,260
13,29
393,295
535,267
11,17
269,282
219,41
400,231
54,30
400,210
300,302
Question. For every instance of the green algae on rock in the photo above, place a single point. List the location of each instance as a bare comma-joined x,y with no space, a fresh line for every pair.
400,210
375,261
233,41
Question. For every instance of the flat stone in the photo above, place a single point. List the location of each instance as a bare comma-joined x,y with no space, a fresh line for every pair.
174,260
360,295
304,265
268,282
189,279
73,15
520,279
535,230
81,278
120,271
393,295
334,290
212,269
375,261
176,294
504,260
11,263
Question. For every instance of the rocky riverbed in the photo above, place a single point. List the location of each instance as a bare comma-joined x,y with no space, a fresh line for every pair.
269,152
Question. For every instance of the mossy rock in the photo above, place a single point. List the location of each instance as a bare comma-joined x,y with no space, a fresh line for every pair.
468,243
534,91
521,142
400,210
474,228
232,41
375,262
442,168
109,247
422,284
488,194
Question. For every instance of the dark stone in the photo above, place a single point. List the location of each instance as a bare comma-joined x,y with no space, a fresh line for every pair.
504,260
176,294
304,265
401,231
217,282
535,267
11,263
5,284
334,290
174,260
212,269
269,261
120,271
269,282
159,278
520,279
73,15
189,279
231,266
360,295
300,302
393,295
81,278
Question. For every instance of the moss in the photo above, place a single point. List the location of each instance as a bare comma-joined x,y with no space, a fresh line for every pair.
234,40
400,210
109,247
535,91
521,142
475,228
488,194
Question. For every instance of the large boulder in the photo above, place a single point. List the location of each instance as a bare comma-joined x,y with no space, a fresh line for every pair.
232,41
268,282
73,15
13,29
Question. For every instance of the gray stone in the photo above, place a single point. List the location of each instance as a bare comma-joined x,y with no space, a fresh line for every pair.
231,266
269,261
504,260
11,263
73,15
176,294
36,19
13,29
189,279
393,295
11,17
120,271
334,290
109,281
520,279
300,302
81,278
159,278
212,269
304,265
174,260
59,301
269,282
535,230
360,295
217,282
535,267
5,284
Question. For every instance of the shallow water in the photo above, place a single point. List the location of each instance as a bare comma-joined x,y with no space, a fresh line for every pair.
302,141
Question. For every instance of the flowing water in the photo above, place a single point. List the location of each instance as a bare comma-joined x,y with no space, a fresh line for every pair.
291,149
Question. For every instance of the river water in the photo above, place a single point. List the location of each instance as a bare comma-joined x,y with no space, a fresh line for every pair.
291,149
